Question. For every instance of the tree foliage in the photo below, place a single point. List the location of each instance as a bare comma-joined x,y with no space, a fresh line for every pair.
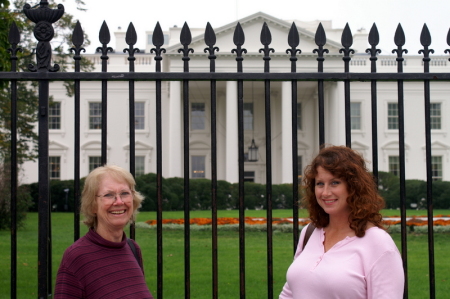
27,94
23,202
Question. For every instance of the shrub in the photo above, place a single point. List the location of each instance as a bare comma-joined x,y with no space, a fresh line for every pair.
23,200
58,198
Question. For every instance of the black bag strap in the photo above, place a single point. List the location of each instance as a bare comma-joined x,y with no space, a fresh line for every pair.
133,248
308,234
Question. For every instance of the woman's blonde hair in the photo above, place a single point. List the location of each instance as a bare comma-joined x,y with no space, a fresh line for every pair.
90,189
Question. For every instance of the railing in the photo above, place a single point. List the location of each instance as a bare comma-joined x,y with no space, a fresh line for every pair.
43,72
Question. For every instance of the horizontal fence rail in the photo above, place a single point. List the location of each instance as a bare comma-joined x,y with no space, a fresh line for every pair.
43,73
114,76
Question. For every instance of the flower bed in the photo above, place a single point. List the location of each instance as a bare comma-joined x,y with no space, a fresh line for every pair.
439,220
228,220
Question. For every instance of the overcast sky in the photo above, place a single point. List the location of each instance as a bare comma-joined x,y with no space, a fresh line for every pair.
387,14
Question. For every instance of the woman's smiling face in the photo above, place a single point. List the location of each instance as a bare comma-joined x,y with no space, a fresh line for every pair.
331,193
113,213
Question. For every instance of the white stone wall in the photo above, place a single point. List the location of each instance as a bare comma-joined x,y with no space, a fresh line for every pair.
61,141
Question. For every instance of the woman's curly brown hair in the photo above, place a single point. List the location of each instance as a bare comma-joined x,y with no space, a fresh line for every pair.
363,200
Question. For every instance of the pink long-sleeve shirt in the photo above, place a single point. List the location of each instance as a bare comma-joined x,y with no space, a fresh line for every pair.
355,268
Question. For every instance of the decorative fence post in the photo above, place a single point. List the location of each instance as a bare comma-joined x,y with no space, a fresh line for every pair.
44,16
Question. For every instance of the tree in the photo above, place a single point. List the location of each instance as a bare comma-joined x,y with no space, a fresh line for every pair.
23,200
27,99
27,95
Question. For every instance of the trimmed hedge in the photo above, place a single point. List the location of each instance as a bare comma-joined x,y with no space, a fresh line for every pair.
255,194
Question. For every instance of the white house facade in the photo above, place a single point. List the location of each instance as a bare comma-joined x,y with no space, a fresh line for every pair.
62,117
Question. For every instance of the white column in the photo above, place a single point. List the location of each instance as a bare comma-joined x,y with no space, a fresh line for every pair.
335,115
175,148
286,133
231,143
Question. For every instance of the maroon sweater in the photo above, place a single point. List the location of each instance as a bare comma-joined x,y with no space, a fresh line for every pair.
93,267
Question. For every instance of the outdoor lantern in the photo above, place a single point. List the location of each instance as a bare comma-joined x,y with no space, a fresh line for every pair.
253,152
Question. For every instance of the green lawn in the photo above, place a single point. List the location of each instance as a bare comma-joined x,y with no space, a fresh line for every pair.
201,270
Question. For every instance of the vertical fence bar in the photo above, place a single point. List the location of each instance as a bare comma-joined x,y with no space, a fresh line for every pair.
425,40
294,41
131,38
104,38
210,40
185,39
13,188
77,144
373,41
399,40
239,40
158,41
44,191
44,194
266,39
77,39
321,40
159,185
347,41
241,188
14,39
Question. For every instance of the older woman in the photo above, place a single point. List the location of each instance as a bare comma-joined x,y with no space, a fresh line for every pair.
349,254
102,264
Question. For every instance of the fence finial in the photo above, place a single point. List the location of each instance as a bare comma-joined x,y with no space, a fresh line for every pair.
293,41
266,39
374,39
210,40
320,39
185,40
425,40
14,40
448,43
44,33
239,39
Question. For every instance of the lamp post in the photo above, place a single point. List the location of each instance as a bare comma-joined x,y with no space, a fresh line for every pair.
66,205
253,149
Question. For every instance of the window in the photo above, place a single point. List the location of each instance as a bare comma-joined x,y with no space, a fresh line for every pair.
95,116
139,165
139,115
436,168
249,176
248,116
300,169
392,116
355,116
197,116
198,167
54,116
94,162
55,168
435,116
299,116
394,165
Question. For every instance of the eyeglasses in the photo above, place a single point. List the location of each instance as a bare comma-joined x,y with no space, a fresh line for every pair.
125,196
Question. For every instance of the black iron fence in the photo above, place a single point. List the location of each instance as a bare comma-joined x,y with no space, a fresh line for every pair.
42,72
